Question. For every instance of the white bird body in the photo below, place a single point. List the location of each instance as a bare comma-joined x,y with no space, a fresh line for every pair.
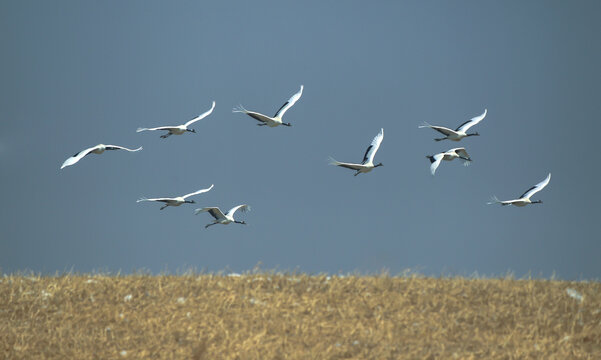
525,198
448,155
178,200
98,149
460,132
277,118
220,217
179,129
368,159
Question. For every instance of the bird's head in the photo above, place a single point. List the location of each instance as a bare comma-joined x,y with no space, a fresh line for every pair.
380,164
192,130
537,202
190,202
474,134
287,124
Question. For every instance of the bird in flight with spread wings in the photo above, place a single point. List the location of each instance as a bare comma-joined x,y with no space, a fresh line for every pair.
368,159
177,201
458,133
525,198
277,118
98,149
220,217
448,156
180,129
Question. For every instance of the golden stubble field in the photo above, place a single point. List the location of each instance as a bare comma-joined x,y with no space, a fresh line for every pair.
296,316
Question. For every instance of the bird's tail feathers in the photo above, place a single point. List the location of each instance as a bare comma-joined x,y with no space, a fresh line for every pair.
494,200
333,161
239,108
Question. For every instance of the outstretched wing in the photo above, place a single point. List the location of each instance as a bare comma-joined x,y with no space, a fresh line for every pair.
435,161
373,147
293,99
75,158
242,208
536,188
201,116
117,147
473,121
198,192
462,154
214,211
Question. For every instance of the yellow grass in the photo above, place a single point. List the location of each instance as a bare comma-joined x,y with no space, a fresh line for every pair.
293,316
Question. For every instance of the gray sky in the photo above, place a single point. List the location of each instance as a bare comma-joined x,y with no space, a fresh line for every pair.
78,73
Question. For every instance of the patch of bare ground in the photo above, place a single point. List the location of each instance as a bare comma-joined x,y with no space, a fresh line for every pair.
295,316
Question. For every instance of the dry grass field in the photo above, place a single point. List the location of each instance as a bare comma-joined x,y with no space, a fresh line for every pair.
294,316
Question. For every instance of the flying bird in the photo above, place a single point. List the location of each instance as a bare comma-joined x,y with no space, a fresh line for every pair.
448,156
98,149
177,201
458,133
277,118
180,129
368,159
525,198
220,218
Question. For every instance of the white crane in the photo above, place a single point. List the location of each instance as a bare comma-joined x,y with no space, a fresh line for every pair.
277,118
180,129
458,133
525,198
98,149
448,155
368,159
220,218
177,201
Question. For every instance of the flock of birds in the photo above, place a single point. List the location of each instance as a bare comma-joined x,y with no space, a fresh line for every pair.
365,166
449,155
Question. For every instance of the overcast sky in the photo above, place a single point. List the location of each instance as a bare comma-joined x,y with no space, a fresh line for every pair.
78,73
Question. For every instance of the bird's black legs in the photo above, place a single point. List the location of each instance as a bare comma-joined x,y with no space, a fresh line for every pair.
440,139
162,207
261,124
166,135
206,226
